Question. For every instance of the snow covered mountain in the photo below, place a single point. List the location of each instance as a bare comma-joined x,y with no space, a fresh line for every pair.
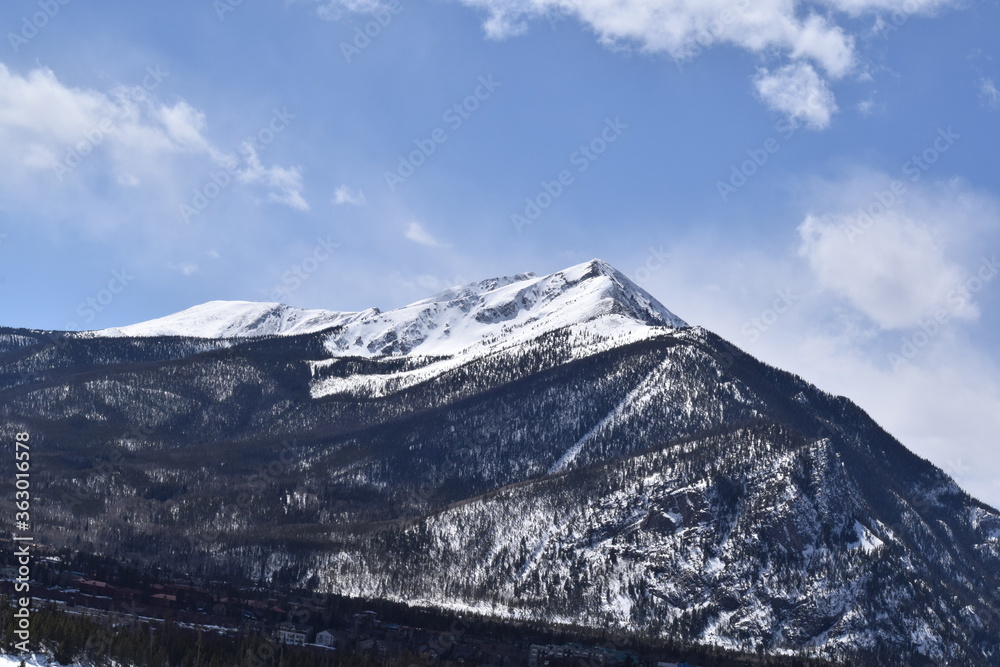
512,309
232,319
557,449
507,311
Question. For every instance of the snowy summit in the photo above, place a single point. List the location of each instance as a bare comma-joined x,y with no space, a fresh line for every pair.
593,295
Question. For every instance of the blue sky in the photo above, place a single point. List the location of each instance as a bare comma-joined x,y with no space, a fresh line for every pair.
720,152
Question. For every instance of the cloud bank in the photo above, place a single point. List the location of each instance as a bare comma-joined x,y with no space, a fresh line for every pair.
51,133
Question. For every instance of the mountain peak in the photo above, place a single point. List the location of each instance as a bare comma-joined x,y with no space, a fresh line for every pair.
638,301
595,266
591,296
497,311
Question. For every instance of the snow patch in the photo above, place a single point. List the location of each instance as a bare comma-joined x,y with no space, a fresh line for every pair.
867,540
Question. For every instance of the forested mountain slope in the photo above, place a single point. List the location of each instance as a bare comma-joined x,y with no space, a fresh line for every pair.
561,448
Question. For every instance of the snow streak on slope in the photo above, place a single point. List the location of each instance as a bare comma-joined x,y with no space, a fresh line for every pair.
235,319
644,387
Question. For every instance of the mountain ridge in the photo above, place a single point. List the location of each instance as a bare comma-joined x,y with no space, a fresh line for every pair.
601,288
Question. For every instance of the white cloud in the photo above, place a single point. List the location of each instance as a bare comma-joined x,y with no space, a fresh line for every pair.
38,103
51,133
334,10
825,44
284,184
682,28
897,273
797,91
943,405
989,94
418,234
869,106
944,401
897,250
127,180
185,126
904,7
185,269
344,194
